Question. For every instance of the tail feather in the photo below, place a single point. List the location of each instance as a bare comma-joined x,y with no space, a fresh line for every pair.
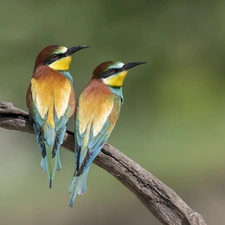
50,161
59,165
49,138
43,164
50,164
78,186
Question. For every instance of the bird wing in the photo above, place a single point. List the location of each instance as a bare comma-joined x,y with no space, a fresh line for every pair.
95,121
47,100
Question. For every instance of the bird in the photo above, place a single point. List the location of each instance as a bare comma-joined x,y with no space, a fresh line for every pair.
97,112
50,100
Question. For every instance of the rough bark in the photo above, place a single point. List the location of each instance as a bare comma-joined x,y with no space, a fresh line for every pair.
158,198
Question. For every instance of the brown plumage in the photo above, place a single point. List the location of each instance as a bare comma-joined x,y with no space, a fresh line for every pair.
101,68
44,54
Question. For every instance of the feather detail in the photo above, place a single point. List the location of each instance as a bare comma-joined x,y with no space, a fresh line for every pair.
48,90
78,186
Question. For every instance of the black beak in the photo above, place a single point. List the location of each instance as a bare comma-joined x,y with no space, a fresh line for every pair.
131,65
72,50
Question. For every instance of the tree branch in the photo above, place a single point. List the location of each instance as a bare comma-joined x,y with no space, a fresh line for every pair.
162,201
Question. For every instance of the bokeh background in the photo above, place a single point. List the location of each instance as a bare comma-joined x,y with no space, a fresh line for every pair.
172,122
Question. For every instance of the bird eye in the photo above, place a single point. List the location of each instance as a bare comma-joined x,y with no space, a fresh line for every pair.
111,71
54,56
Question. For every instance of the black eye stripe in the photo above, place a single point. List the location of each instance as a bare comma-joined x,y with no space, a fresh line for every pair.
52,58
109,72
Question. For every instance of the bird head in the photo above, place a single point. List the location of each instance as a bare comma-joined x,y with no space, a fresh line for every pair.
113,73
57,57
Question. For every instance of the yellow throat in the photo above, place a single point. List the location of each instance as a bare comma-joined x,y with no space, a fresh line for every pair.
116,80
62,64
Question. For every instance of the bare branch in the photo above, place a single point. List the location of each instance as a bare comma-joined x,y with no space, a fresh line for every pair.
161,200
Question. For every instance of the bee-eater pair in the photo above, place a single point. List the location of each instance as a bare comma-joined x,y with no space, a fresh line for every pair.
51,102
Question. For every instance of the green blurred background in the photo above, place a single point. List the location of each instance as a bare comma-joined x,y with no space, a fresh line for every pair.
172,122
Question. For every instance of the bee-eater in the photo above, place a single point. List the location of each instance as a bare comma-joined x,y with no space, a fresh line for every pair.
96,115
51,102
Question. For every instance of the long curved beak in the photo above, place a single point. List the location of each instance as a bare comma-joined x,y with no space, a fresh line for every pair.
131,65
72,50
